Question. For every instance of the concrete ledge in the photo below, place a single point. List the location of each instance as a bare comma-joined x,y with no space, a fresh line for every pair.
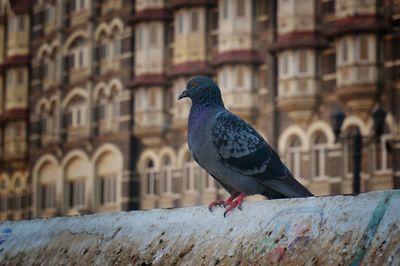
340,230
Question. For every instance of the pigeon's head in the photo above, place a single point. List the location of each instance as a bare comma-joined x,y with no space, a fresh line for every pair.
202,90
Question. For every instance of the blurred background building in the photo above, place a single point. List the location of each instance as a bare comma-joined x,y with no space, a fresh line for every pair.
89,120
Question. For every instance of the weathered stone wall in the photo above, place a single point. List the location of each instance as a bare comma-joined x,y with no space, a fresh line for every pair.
339,230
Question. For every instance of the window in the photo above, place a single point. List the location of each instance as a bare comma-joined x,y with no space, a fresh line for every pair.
194,21
152,98
3,202
303,62
9,78
21,23
11,24
225,8
151,178
180,23
20,76
80,58
115,108
328,63
103,51
77,55
294,156
108,189
79,5
116,46
139,38
48,14
345,50
224,78
189,174
240,77
285,64
48,196
166,175
240,11
153,35
363,47
77,114
318,155
382,160
77,193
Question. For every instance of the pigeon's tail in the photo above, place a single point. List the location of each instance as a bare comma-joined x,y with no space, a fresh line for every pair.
298,187
288,187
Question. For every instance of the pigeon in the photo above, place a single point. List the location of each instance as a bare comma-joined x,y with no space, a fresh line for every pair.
232,151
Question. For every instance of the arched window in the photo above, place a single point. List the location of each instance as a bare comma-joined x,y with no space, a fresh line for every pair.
52,122
189,174
106,175
18,194
318,155
293,154
76,177
3,195
151,178
47,176
166,175
78,55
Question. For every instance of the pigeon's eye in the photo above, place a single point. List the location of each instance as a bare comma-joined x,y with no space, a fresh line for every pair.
194,84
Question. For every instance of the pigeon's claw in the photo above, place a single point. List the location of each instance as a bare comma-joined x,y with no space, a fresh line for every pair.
216,203
236,203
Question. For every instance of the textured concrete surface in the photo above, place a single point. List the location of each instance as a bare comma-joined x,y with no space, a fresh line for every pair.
340,230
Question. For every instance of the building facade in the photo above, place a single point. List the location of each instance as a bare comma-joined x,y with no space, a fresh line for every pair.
105,131
14,84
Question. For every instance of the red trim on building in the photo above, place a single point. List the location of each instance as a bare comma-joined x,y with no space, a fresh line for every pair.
14,114
151,14
238,56
299,40
149,80
20,6
190,68
355,24
190,3
16,60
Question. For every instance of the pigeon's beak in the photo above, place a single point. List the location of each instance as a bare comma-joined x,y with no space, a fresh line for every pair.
184,94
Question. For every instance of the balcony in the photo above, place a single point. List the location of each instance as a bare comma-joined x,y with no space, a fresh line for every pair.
297,96
107,126
148,123
357,86
243,103
76,133
15,149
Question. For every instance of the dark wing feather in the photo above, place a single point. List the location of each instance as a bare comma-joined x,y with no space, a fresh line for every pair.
242,149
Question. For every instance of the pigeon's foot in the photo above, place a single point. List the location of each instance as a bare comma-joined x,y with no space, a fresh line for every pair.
215,203
220,203
236,203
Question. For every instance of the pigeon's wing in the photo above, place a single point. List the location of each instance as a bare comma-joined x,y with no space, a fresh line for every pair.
243,150
226,186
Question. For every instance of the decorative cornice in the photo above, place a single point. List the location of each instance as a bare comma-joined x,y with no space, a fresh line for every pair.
191,3
355,24
151,14
149,80
306,39
16,60
14,114
190,68
20,6
238,56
